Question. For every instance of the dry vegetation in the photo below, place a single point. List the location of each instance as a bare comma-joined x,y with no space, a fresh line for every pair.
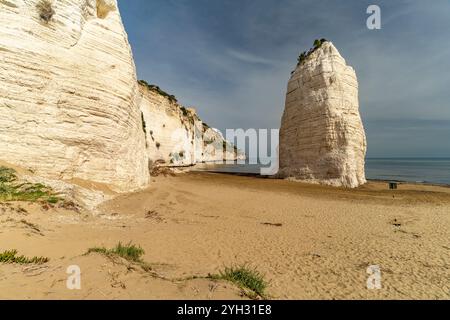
45,10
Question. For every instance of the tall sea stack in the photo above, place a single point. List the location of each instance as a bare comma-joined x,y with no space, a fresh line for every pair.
322,138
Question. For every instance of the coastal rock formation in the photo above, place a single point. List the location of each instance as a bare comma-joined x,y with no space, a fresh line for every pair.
170,134
69,94
175,135
72,108
322,138
216,148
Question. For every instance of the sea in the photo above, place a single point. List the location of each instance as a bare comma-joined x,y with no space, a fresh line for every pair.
416,170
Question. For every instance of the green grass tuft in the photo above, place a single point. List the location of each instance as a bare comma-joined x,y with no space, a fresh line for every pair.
11,257
129,251
244,277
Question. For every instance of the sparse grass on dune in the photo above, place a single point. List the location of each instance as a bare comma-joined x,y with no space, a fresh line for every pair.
250,280
11,190
11,257
32,226
129,251
246,278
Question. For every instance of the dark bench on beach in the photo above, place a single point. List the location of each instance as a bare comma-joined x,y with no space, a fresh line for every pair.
393,185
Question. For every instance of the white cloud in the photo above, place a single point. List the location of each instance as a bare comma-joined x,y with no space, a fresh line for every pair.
247,57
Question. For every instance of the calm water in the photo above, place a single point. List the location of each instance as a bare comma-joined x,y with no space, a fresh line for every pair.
436,170
410,169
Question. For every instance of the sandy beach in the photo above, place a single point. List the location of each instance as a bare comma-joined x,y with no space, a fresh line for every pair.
309,242
210,150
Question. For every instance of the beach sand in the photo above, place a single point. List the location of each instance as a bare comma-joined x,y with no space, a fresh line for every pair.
309,241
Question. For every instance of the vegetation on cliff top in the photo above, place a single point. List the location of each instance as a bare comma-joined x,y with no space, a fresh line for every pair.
184,111
170,97
158,90
306,54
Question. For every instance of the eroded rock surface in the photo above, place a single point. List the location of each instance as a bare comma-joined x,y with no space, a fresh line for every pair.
176,136
322,138
68,93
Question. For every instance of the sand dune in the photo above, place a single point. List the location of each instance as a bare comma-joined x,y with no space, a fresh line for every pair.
310,242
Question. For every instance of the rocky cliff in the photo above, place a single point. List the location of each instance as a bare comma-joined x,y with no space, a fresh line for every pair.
175,135
72,108
69,94
322,138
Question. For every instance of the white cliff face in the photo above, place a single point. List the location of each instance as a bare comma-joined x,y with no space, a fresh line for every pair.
71,105
170,134
68,93
176,136
217,149
322,138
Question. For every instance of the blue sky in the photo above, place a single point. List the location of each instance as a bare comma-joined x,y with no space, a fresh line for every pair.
232,59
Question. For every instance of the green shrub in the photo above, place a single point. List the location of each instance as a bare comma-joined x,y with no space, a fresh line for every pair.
317,43
184,111
305,55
